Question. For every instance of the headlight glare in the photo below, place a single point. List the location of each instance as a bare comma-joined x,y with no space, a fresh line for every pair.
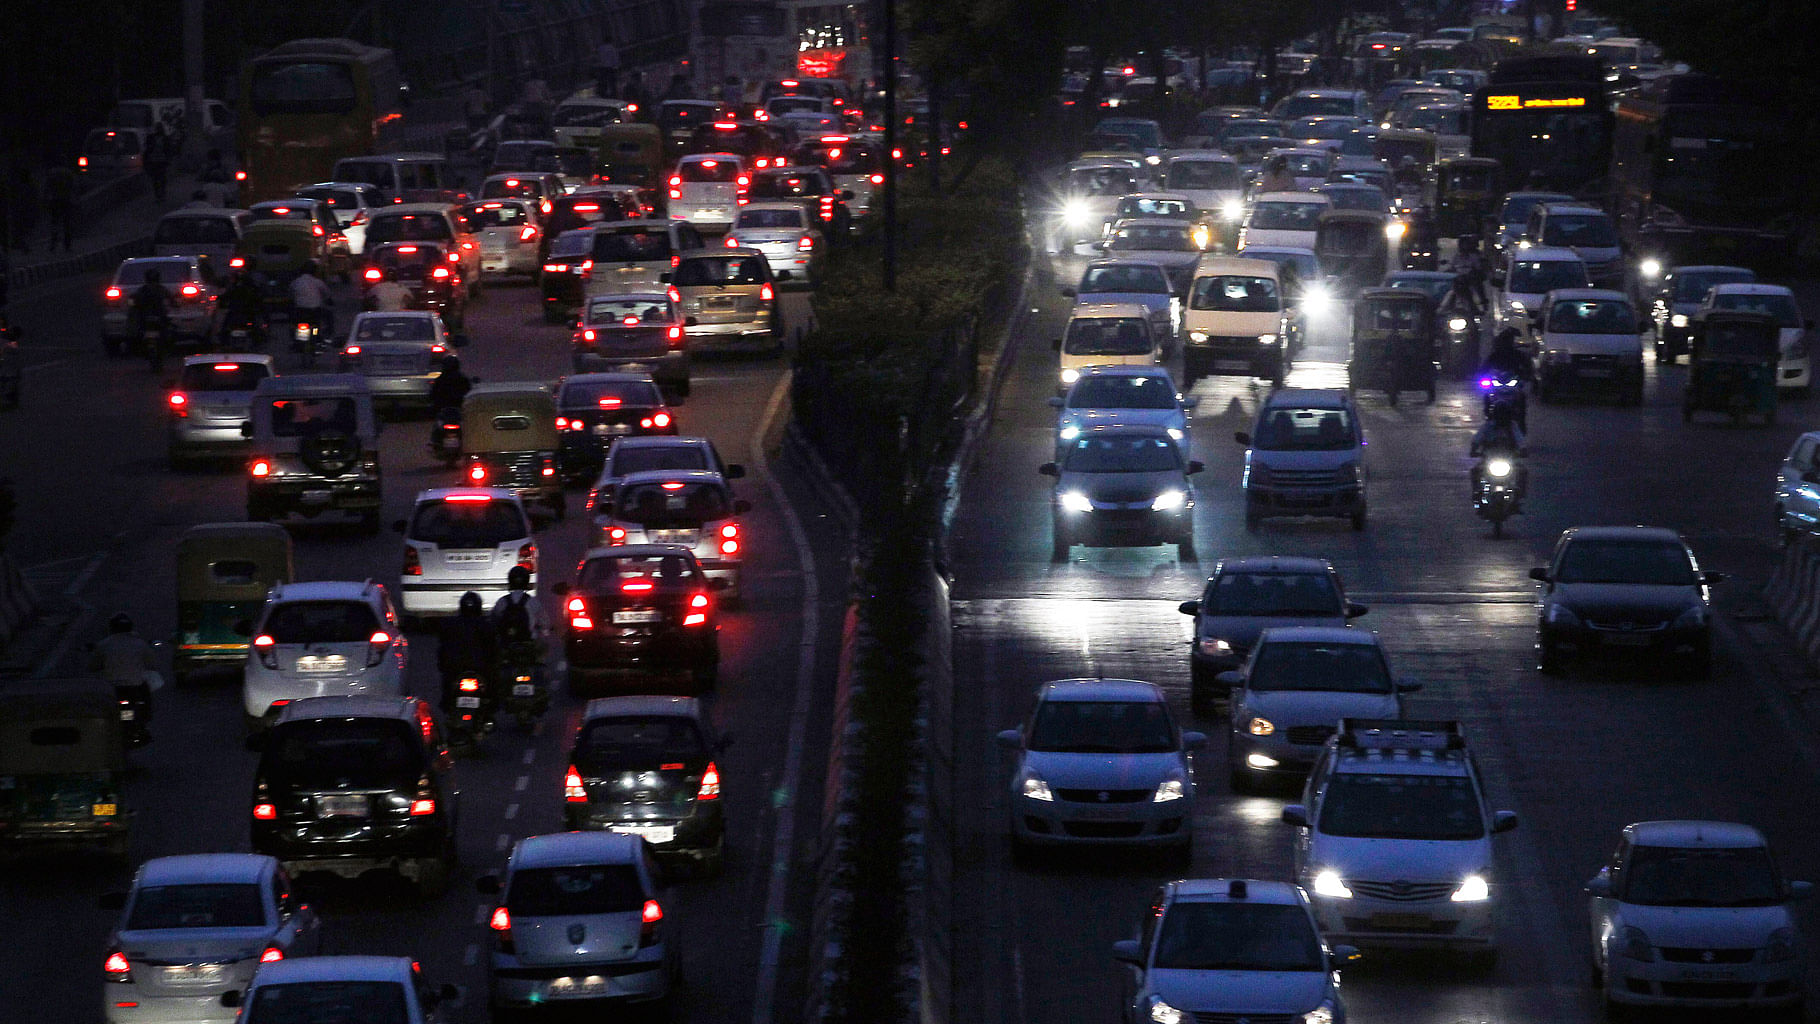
1650,269
1216,647
1075,501
1070,375
1037,789
1069,432
1498,467
1458,323
1232,209
1163,1013
1473,890
1322,1014
1327,883
1198,337
1167,790
1267,339
1168,500
1678,320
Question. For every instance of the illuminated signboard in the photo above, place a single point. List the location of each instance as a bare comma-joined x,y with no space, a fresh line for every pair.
1532,102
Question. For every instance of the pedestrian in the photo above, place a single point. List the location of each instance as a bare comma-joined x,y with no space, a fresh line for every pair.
60,202
157,161
606,68
636,94
22,216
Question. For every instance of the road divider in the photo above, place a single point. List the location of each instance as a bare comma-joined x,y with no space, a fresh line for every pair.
1793,593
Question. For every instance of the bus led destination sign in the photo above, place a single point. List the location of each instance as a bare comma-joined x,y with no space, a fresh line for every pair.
1532,102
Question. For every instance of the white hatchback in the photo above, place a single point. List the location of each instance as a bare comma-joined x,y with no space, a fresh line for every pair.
459,540
324,639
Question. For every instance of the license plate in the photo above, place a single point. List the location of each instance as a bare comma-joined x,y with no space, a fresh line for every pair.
1419,922
128,714
193,974
479,557
321,663
317,497
104,810
612,428
1627,640
711,213
1231,364
653,834
523,690
719,302
1708,974
467,702
636,618
635,367
397,365
332,805
564,988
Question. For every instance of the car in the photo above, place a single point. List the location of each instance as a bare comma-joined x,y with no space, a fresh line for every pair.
595,204
1246,596
320,639
706,189
315,449
1107,334
1795,371
342,988
691,507
1283,219
193,287
1238,949
597,409
789,237
518,181
1524,279
640,453
1292,169
1121,395
440,223
435,282
399,177
322,221
758,143
400,355
1590,341
214,233
1587,230
1088,194
1101,761
111,153
351,202
1436,284
1678,299
1355,195
635,255
355,784
679,118
1394,839
1305,457
645,766
1696,915
195,926
1211,180
460,540
811,186
1628,591
579,920
1323,131
1122,486
637,332
855,163
1297,682
511,241
1167,242
1132,279
730,295
639,610
1512,217
1797,496
213,397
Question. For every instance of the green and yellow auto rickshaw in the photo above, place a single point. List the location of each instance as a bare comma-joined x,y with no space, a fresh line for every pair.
62,766
508,439
1353,249
629,154
223,573
1732,366
1465,189
1393,342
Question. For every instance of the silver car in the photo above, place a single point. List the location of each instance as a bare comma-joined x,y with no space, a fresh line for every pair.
630,455
785,233
511,235
212,399
729,294
692,508
399,354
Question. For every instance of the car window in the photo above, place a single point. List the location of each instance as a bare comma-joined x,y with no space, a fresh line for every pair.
1152,237
1661,563
1537,277
769,219
701,171
309,417
638,740
1122,453
196,906
462,522
1274,594
1667,876
408,227
1329,668
1101,727
1286,216
632,245
627,460
1592,316
609,394
575,890
604,574
395,328
1124,279
672,504
572,244
328,1002
320,622
1437,807
170,272
1569,230
222,376
1122,392
719,270
1107,336
409,262
498,215
1235,293
343,753
1237,937
1202,175
629,312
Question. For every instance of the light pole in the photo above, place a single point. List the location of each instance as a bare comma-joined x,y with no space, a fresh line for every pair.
193,98
891,159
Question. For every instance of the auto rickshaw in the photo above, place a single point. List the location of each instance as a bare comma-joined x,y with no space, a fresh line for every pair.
223,573
274,251
508,439
630,154
1732,366
63,759
1353,248
1391,145
1393,342
1465,188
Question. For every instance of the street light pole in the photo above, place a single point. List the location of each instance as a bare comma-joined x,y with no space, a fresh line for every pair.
891,158
193,90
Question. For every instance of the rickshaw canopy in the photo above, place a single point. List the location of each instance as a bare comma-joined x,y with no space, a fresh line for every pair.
232,561
508,418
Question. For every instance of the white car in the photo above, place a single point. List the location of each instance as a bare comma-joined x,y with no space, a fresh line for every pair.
1694,915
1778,301
511,235
1280,219
391,989
707,189
1121,396
1102,761
1526,278
1393,839
1210,178
321,640
459,540
649,452
784,232
352,202
195,926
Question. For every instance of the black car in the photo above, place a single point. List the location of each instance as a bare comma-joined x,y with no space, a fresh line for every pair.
584,207
567,268
1246,596
810,186
1628,592
595,409
348,785
641,610
645,766
425,269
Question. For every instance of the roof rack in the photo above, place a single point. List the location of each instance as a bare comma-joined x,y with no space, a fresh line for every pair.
1400,734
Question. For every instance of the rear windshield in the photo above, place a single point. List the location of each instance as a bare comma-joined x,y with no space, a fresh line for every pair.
599,574
371,172
1235,294
512,188
1286,216
572,243
1692,287
1122,392
469,524
328,1002
1305,430
708,170
611,394
639,740
407,227
672,504
344,753
498,215
1124,279
1314,106
169,272
222,376
1203,174
575,891
642,310
787,186
632,245
320,622
1274,594
1152,237
343,201
1122,454
196,906
769,219
1107,336
642,458
720,270
395,328
1350,237
565,216
841,157
195,231
308,417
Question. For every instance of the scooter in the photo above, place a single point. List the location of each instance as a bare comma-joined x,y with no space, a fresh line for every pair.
470,712
527,695
1497,497
306,338
445,437
135,700
1500,389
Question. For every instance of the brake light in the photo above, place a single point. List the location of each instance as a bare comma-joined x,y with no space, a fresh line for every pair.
413,564
113,293
117,968
675,180
878,179
616,535
586,269
588,335
675,261
527,234
743,180
440,273
190,291
477,472
423,806
675,296
732,243
765,292
586,207
271,955
236,263
178,401
373,274
637,586
501,921
710,783
239,175
351,350
572,790
630,321
661,420
730,546
555,268
265,812
676,336
805,243
653,913
527,558
316,229
261,467
82,161
376,647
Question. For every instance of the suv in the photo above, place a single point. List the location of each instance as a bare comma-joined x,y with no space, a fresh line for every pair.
578,921
213,398
1625,591
630,455
459,540
639,609
348,785
1588,231
315,449
1123,486
1590,340
1216,949
730,295
319,988
644,766
441,223
707,188
693,508
321,639
1305,457
397,177
1246,596
1393,839
597,409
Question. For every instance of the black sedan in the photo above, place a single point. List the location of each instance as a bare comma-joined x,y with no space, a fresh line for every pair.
637,611
1626,592
596,409
645,766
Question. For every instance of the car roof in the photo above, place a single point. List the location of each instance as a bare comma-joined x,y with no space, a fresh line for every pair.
230,357
1621,533
1575,207
1100,690
335,968
1419,275
1296,250
637,551
1319,635
418,208
395,314
1572,294
1172,223
490,493
695,158
204,868
652,476
322,590
565,849
642,296
1239,264
644,705
348,706
1752,288
1273,563
1219,890
661,440
1291,197
1308,398
1092,310
772,206
1201,156
611,377
1709,268
1541,253
1718,834
717,251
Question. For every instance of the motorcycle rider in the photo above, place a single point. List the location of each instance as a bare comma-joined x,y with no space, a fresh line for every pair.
467,647
311,301
519,617
152,308
124,659
1469,276
388,296
1500,436
446,393
242,307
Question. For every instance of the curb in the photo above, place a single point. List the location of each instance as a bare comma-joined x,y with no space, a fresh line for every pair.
798,448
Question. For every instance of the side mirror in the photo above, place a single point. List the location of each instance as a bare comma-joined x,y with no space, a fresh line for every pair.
1353,611
734,471
1055,402
1408,686
784,275
742,506
1712,577
1068,291
1503,821
1194,467
399,526
1127,951
231,998
1011,739
1800,890
1231,678
1049,469
1539,574
1346,954
1243,438
111,901
663,278
691,321
1055,343
487,885
244,627
1194,741
1189,607
560,589
255,742
459,340
1600,885
246,430
1295,814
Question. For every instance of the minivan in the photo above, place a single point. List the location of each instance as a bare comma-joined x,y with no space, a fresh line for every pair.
400,177
1305,457
1235,321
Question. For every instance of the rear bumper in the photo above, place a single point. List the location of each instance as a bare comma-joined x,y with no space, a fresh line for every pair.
444,597
645,978
314,496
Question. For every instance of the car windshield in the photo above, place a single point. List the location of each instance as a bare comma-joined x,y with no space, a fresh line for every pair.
628,459
395,328
1371,806
157,907
1516,210
195,231
575,891
105,143
1152,237
222,376
1235,293
1671,876
343,753
1437,287
466,523
1323,127
1272,594
310,417
1314,106
1304,430
1306,165
1101,181
768,219
1238,937
641,310
633,245
1101,727
328,1002
1285,216
609,394
1592,316
1350,237
714,171
1121,392
1147,206
1367,199
719,271
1780,307
1327,668
171,273
1122,453
1107,336
606,574
1692,286
1538,277
634,741
1124,279
1203,175
1644,562
1592,230
672,504
498,215
1440,120
320,622
407,227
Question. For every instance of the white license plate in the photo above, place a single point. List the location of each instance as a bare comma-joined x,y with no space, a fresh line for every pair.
321,663
317,497
1708,974
653,834
483,556
523,690
467,702
1231,364
1628,640
1418,922
711,213
498,264
636,618
612,428
568,988
331,805
128,714
192,974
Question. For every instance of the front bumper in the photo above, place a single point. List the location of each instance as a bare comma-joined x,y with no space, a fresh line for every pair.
1268,501
1706,986
1279,753
1405,924
1582,640
1251,359
1062,822
1124,527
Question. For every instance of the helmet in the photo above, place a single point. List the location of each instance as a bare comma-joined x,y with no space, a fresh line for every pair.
519,578
470,603
121,623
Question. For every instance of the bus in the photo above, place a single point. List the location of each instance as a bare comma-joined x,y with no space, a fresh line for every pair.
1701,165
1547,120
305,105
746,41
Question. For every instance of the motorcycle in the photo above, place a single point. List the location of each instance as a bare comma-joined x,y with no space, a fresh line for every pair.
1498,496
152,333
306,338
445,437
1506,390
470,705
527,695
135,700
244,333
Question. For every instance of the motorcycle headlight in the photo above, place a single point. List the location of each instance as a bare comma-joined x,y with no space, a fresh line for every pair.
1498,468
1327,883
1070,375
1267,339
1693,618
1516,306
1153,160
1168,500
1782,947
1458,323
1678,320
1163,1013
1214,646
1322,1014
1561,615
1260,727
1634,945
1473,890
1201,236
1198,337
1036,789
1167,790
1650,269
1075,501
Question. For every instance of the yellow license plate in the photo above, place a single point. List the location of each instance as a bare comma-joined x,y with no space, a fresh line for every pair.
104,810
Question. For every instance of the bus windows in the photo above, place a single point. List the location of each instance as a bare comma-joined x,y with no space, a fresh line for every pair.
305,87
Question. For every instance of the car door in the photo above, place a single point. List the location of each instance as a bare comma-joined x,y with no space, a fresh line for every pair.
1798,486
1604,909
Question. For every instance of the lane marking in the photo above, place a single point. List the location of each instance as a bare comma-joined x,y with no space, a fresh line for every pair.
504,840
530,755
78,625
523,781
785,806
511,811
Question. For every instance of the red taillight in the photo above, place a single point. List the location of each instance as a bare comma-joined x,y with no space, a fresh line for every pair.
190,291
261,467
380,636
675,180
239,175
710,783
477,472
527,234
676,193
264,640
113,293
527,558
179,400
675,295
653,913
805,243
616,535
698,601
695,619
878,179
501,921
413,565
637,586
271,955
577,606
265,812
555,268
676,336
630,321
117,968
82,161
377,644
351,350
572,790
732,243
316,229
675,261
729,547
766,293
374,274
440,273
236,263
468,685
588,335
421,807
661,420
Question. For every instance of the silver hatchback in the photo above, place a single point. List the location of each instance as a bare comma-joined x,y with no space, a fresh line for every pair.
692,508
212,400
729,294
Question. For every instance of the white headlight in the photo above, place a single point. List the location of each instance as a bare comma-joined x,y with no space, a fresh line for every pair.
1210,645
1267,339
1327,883
1037,789
1473,890
1318,1015
1070,375
1516,306
1075,501
1153,159
1458,323
1650,268
1069,432
1498,467
1232,209
1168,500
1074,211
1176,434
1163,1013
1261,727
1198,337
1678,320
1167,790
1395,230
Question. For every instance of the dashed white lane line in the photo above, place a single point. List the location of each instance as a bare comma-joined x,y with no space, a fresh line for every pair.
504,840
530,755
523,781
511,811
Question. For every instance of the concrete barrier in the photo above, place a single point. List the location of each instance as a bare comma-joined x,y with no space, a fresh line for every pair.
1793,593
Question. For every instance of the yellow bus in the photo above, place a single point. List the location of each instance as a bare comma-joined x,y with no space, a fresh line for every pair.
307,104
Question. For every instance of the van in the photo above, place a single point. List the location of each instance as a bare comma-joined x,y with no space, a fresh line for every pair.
1305,457
1235,321
429,222
399,177
1106,334
708,188
211,233
112,152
